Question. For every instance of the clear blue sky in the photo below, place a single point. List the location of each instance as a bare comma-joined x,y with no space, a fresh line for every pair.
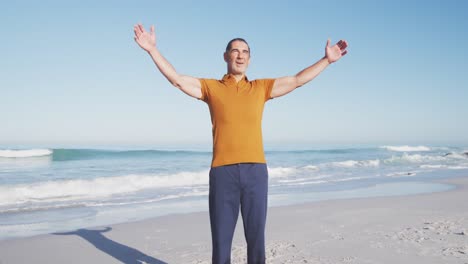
71,73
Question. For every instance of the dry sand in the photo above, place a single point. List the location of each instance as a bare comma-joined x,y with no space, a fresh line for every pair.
426,228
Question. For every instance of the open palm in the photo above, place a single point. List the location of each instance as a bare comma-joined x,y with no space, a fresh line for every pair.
335,52
146,40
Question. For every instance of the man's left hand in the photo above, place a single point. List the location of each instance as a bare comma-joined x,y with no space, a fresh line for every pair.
335,52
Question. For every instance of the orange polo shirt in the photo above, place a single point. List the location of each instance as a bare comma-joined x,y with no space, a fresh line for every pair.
236,110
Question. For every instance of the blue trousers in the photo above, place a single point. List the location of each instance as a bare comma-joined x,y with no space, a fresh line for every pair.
241,186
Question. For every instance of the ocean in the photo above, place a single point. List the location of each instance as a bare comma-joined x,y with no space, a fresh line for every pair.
51,190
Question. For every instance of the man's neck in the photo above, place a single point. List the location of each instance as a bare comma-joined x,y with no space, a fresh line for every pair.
238,77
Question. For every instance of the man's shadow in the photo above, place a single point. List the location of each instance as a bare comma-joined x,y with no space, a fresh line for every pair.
121,252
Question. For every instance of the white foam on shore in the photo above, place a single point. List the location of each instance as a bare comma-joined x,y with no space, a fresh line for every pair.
457,156
292,180
356,163
458,167
406,148
436,166
28,153
285,172
399,174
72,190
167,197
311,167
414,158
77,204
307,183
281,172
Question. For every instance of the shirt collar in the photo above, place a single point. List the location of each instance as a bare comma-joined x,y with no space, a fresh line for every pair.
229,78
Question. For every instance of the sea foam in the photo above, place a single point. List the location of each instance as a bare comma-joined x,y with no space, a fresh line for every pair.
73,190
406,148
27,153
356,163
413,158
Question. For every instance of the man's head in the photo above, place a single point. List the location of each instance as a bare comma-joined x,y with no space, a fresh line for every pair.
237,56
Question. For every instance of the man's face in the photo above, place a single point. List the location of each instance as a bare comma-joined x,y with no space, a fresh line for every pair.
238,57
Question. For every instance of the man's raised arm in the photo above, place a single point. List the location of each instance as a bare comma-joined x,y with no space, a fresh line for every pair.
147,41
287,84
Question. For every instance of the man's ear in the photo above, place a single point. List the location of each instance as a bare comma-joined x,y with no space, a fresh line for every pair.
225,57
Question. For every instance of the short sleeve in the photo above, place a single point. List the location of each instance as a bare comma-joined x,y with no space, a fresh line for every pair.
267,85
204,90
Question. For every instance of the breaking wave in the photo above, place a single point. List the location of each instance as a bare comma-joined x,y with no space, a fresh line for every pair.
406,148
27,153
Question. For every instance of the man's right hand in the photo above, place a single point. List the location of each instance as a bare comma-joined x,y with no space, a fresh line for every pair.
146,40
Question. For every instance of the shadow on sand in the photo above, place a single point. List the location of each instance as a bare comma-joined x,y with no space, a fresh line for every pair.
120,252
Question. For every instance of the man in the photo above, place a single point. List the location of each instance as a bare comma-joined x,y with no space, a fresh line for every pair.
238,174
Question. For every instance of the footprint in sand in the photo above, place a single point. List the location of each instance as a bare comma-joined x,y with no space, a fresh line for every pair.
458,252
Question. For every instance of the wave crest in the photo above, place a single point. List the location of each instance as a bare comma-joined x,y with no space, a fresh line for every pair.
27,153
406,148
413,158
356,163
72,190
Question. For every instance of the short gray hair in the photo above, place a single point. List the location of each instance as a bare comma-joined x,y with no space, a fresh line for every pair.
229,45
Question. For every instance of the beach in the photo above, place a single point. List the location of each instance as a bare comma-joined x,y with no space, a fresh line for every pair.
422,228
115,126
44,191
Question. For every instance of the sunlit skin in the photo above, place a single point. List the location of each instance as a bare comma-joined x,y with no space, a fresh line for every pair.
237,60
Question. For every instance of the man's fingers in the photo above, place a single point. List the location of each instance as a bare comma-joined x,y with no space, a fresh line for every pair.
344,53
342,44
152,29
137,33
328,42
136,40
142,29
137,29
